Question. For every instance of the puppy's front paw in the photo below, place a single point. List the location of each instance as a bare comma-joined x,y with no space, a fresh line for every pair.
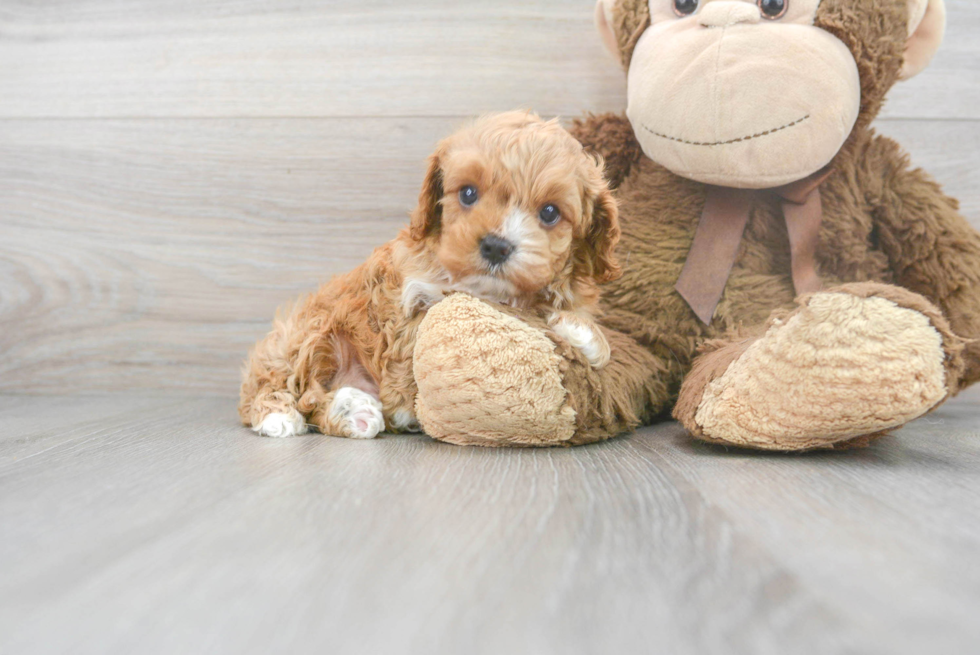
583,336
356,414
281,425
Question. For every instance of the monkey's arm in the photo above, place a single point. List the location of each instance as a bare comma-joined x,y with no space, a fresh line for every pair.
611,137
513,381
932,248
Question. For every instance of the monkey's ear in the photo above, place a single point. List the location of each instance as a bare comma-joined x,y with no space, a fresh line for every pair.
603,236
603,23
427,216
927,26
621,23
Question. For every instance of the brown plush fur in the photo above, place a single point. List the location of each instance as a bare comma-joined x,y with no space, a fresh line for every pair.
892,248
883,222
359,330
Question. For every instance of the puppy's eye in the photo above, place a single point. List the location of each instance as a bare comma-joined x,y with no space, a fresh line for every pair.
685,7
468,195
549,215
773,9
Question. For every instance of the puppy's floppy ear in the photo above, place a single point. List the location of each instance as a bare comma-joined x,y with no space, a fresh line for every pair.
427,216
603,235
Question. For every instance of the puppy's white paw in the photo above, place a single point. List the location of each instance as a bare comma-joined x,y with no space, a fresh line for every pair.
419,295
583,338
281,425
357,413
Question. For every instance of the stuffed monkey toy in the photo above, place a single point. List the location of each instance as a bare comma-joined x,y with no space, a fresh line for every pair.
790,282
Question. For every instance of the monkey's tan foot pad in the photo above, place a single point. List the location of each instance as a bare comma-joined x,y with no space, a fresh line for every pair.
851,362
488,379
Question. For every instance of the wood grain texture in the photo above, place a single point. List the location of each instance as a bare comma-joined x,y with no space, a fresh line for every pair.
87,58
337,58
153,253
148,231
164,528
170,172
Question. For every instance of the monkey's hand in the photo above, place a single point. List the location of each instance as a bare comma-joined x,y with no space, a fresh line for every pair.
490,375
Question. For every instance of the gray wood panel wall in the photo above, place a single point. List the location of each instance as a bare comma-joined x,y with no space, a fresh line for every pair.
172,171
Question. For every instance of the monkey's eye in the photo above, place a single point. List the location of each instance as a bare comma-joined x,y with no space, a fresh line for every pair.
468,195
773,9
685,7
549,215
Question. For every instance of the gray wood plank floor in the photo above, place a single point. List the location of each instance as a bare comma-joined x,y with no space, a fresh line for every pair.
149,524
172,171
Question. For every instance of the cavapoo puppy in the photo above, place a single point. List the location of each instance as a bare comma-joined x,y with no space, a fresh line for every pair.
512,211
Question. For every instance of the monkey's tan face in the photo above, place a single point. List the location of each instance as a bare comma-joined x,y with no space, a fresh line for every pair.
741,93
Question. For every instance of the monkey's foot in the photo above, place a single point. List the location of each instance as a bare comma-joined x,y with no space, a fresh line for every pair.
849,363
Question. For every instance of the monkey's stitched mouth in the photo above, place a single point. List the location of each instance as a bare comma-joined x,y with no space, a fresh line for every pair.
730,141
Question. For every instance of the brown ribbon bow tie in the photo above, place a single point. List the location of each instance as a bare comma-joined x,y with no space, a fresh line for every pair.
719,233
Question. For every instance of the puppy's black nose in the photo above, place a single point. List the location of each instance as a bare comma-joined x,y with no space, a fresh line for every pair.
495,249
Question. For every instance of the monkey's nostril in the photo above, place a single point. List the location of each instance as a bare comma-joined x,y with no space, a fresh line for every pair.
495,249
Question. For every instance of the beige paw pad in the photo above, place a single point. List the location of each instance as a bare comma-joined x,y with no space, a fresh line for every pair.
842,366
486,378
